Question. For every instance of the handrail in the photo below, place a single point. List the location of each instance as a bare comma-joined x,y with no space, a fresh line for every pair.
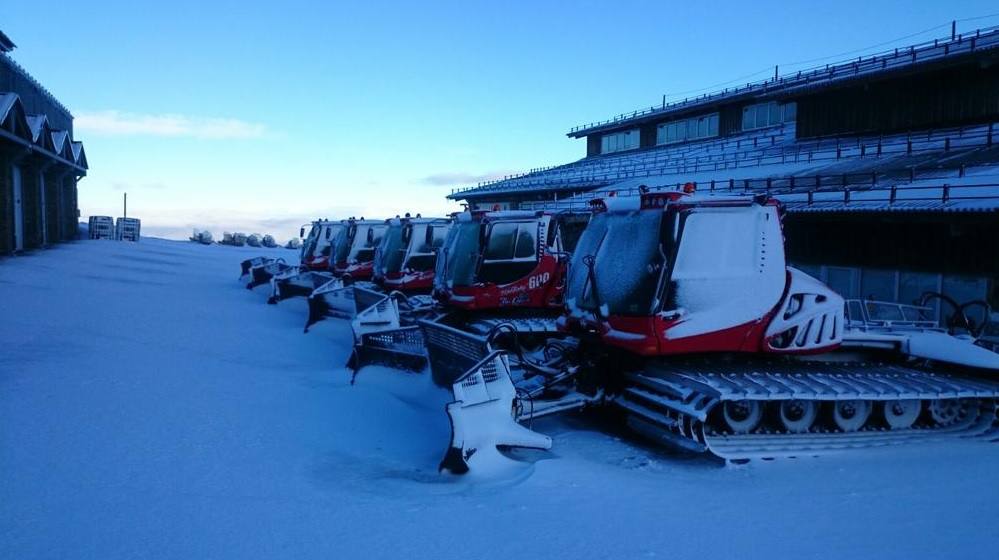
828,72
948,193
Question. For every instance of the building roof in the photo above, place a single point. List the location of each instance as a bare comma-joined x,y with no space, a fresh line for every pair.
33,132
6,45
14,66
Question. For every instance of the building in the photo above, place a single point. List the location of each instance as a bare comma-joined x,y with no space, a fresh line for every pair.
887,165
40,162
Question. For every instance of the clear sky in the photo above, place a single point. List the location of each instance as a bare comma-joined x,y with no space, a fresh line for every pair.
258,116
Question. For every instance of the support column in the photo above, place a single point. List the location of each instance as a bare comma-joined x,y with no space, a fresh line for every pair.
52,227
31,205
6,206
69,217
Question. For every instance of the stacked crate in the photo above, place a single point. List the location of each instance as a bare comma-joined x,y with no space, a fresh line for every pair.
101,227
127,229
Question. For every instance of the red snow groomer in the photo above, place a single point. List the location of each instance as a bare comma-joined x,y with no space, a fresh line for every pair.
356,261
315,263
494,270
352,262
682,312
314,256
407,256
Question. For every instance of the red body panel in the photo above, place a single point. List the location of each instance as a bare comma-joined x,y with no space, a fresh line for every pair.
317,263
357,271
541,288
410,282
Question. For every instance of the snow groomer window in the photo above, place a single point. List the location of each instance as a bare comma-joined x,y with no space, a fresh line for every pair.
510,252
619,141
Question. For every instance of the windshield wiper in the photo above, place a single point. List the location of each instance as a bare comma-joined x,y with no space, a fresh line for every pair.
590,262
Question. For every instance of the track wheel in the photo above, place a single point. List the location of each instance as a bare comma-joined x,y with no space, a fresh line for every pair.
949,411
742,416
798,415
851,415
900,415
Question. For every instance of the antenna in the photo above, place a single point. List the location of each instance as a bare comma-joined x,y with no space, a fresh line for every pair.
125,204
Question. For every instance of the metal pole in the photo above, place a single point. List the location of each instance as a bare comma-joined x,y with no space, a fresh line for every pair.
125,210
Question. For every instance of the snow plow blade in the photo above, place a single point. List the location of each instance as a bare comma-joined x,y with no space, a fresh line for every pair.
296,282
262,274
482,418
332,299
249,264
482,413
385,331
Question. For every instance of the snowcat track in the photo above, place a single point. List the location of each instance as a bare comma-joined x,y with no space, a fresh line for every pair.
674,405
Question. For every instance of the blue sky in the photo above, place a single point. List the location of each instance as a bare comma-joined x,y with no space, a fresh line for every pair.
259,116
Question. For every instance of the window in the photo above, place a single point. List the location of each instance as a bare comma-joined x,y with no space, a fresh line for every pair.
619,141
768,114
510,241
688,129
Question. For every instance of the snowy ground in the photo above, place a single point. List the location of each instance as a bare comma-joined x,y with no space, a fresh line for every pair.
152,407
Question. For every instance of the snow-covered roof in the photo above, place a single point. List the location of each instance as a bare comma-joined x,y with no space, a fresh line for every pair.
7,101
6,45
37,123
769,158
34,133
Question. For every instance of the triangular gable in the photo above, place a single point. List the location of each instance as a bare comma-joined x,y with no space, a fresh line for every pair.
12,116
40,131
61,141
79,155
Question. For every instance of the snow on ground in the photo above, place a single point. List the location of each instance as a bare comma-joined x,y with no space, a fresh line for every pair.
151,407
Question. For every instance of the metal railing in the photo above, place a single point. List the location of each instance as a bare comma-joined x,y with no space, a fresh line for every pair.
666,161
839,190
984,38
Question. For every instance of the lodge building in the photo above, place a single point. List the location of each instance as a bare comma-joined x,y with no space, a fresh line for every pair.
40,162
888,165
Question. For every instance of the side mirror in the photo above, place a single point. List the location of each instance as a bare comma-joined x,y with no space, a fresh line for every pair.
301,232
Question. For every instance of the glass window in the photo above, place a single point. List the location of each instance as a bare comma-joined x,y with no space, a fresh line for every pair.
502,239
878,285
460,254
842,281
912,286
687,129
618,141
525,243
768,114
627,246
790,111
761,116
